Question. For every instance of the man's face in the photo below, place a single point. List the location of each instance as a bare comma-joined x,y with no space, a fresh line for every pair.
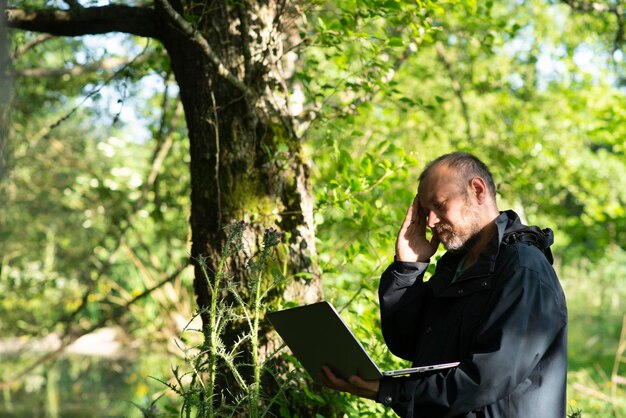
451,212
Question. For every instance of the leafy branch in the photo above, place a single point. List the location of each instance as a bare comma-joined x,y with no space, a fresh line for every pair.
604,8
458,90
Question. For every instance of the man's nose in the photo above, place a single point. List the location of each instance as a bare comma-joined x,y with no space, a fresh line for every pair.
432,219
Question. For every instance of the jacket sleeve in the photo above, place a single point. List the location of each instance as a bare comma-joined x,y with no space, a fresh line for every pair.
526,315
401,293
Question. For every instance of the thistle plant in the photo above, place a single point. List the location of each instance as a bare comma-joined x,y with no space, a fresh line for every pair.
233,300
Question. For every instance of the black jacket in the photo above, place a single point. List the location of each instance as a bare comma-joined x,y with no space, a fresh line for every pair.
504,319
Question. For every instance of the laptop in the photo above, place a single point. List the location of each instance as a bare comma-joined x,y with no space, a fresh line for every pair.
317,336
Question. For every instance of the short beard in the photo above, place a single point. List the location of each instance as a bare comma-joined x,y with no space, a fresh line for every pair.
463,247
457,244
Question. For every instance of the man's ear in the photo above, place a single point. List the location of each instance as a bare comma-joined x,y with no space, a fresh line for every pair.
478,189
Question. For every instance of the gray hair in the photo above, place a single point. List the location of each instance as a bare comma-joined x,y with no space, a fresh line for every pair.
466,167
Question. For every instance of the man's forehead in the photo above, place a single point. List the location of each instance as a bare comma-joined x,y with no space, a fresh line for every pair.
425,192
439,180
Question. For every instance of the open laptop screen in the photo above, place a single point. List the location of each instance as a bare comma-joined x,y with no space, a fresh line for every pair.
317,336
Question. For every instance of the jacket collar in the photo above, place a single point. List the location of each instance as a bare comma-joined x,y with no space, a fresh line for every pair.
516,231
510,230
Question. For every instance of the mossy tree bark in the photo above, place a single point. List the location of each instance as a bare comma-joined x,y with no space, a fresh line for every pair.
246,161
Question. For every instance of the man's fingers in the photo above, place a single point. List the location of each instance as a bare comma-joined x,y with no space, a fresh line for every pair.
411,242
418,212
364,388
331,380
415,210
408,218
414,215
360,383
355,384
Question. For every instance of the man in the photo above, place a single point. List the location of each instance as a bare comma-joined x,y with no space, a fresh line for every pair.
494,303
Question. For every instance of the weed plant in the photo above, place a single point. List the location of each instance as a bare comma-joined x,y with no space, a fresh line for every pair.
232,301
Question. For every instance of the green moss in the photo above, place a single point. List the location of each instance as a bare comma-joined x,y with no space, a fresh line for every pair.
248,198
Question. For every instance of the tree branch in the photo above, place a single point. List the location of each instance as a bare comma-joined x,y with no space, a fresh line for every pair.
589,6
39,39
45,131
74,4
595,7
456,87
619,34
76,21
245,38
103,65
190,31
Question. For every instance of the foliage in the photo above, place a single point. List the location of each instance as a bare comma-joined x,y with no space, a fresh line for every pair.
506,81
533,88
95,200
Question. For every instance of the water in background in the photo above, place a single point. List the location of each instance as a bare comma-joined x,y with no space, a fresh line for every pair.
79,386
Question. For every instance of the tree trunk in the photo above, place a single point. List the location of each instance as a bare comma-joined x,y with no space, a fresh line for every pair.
246,161
5,89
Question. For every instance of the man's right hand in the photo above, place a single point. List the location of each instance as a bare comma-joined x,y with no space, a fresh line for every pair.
412,244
